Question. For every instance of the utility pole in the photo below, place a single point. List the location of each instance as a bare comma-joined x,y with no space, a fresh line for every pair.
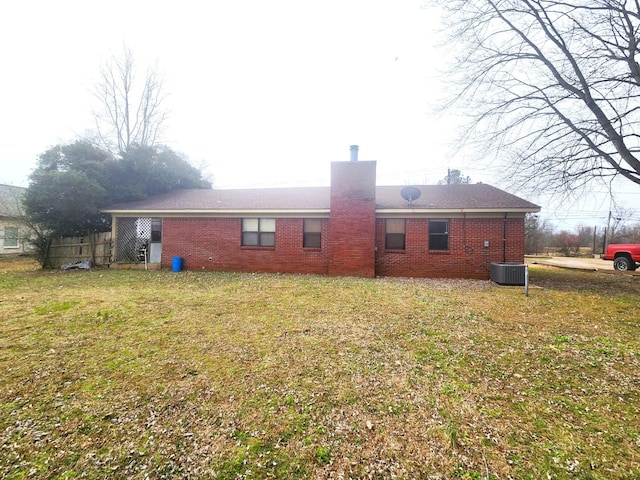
606,234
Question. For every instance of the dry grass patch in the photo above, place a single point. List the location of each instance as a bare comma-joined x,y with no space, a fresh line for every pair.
131,374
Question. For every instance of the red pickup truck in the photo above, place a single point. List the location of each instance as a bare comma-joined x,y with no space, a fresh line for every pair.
625,256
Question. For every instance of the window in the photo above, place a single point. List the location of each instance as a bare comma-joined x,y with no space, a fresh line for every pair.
312,235
259,232
394,234
11,237
438,234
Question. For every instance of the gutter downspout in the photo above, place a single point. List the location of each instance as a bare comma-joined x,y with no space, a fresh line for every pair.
504,238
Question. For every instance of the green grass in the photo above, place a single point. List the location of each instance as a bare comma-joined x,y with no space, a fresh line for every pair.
133,374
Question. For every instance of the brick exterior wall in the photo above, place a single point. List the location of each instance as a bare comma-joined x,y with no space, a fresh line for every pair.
352,220
467,256
215,244
353,239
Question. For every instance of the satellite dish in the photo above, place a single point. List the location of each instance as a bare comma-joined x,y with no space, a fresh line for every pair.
410,193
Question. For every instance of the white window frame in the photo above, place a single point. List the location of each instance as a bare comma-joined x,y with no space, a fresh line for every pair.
439,235
16,238
394,230
258,232
312,233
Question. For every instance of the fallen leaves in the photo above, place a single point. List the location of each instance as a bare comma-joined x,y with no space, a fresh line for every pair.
147,374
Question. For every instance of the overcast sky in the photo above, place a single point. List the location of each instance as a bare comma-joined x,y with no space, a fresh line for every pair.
266,93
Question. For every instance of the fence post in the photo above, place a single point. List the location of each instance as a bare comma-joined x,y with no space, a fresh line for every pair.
92,245
45,260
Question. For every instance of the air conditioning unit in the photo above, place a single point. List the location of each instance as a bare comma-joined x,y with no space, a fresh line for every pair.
508,273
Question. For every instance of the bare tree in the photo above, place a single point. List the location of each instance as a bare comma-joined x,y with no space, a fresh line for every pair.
568,243
617,223
131,111
538,234
454,176
553,85
627,234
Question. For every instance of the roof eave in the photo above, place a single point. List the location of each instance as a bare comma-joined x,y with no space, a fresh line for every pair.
305,212
383,211
217,213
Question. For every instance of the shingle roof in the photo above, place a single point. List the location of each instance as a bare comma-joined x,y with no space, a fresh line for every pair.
240,199
11,201
433,197
458,196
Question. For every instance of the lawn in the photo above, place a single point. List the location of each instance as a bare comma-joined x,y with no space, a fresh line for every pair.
134,374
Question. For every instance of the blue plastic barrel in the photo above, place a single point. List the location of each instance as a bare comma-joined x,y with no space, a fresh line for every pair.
176,264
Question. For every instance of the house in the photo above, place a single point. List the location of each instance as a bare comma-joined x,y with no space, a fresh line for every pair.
14,230
352,227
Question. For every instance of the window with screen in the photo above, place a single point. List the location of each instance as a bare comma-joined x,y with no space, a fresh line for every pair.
312,233
438,234
394,234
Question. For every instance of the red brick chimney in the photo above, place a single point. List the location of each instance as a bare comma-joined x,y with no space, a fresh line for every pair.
352,220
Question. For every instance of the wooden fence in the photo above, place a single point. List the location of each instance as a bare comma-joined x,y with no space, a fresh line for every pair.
95,248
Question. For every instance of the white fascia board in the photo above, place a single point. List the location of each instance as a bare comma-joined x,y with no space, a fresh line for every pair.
319,213
443,212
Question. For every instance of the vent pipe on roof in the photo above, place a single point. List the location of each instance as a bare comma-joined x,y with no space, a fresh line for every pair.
354,153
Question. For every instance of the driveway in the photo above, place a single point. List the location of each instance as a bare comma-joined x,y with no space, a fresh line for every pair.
572,262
